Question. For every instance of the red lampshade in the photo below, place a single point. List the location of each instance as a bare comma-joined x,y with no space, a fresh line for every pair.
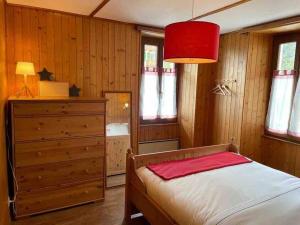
192,42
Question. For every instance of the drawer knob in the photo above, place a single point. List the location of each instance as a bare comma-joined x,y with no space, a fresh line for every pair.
38,128
86,148
86,192
39,153
86,170
39,177
86,125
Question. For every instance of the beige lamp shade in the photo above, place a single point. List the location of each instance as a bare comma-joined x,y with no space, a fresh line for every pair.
25,68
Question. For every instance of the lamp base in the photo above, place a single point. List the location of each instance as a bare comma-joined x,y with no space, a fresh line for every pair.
24,91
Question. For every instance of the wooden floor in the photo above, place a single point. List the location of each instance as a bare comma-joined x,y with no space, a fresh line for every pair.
109,212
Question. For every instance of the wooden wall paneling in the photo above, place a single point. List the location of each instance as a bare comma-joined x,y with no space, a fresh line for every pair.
205,82
86,57
72,50
241,71
158,132
10,44
30,27
79,52
117,39
65,47
99,58
111,47
256,94
232,102
128,59
135,81
250,81
93,62
94,54
227,110
4,213
297,162
218,114
239,117
187,104
58,62
18,44
281,155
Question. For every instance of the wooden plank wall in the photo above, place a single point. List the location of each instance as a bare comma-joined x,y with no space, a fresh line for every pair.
187,104
158,132
281,155
4,214
204,104
257,90
96,55
225,117
214,119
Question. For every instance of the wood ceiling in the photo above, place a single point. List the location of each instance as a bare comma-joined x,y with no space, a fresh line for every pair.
231,15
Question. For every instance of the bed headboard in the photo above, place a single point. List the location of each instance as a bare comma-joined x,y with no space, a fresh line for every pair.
146,159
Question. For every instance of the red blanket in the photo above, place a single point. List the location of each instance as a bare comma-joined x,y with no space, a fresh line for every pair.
181,168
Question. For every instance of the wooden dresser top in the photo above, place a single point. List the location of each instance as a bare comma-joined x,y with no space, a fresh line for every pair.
57,99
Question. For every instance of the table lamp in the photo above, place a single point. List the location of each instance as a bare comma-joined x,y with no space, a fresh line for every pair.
26,69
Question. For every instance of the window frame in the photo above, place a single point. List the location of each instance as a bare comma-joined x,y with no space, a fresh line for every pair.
277,41
159,42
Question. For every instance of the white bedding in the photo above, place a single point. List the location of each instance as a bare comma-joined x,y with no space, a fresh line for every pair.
246,194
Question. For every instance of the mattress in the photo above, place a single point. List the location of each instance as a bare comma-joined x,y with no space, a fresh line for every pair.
246,194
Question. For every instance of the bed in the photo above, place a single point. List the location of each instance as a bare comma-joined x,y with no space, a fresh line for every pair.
246,194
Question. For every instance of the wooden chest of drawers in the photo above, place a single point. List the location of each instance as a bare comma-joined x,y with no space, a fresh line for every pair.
58,153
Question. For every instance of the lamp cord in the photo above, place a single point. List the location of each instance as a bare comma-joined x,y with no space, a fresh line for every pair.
193,7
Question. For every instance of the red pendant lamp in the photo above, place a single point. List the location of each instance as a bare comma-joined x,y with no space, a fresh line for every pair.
192,42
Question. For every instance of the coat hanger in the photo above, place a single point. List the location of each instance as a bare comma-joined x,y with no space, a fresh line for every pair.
226,88
218,90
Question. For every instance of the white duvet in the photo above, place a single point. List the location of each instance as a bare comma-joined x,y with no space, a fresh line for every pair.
246,194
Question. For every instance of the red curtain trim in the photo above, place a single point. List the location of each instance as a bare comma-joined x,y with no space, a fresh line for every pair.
294,134
276,131
284,73
171,71
156,70
150,69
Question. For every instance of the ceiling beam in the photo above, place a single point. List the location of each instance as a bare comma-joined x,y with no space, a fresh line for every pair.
272,25
99,7
150,29
220,9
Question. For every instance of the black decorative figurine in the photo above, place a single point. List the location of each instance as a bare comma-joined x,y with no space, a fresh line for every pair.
74,91
45,75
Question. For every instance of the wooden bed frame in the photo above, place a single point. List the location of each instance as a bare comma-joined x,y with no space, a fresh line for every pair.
136,198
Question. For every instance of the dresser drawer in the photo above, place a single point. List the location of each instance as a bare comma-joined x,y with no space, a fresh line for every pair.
43,152
62,108
46,128
42,176
45,200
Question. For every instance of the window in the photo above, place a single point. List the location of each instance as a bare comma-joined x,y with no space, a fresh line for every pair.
283,118
158,99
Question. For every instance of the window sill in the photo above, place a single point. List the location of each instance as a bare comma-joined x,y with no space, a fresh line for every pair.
157,124
281,139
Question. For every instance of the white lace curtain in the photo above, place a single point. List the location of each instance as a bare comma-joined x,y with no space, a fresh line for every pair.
158,102
284,107
168,108
149,94
294,128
